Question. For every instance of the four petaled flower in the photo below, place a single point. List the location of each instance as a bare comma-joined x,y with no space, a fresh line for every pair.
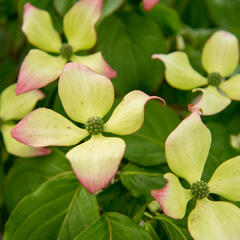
40,68
219,58
187,149
86,97
14,108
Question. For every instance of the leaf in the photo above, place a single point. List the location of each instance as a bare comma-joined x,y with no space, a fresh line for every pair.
114,226
224,13
1,182
195,14
27,174
7,71
167,18
220,150
62,6
149,228
109,7
7,8
59,209
146,146
4,51
116,198
15,36
82,212
175,229
140,181
127,43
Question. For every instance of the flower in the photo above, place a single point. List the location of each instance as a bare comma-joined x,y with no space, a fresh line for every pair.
149,4
220,57
86,98
12,108
187,149
40,68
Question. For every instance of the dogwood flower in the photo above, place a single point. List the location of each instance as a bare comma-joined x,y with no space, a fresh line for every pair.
40,68
86,97
149,4
220,57
12,108
187,149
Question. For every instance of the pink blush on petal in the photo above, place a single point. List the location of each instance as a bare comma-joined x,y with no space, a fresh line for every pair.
161,195
92,184
108,71
149,4
42,151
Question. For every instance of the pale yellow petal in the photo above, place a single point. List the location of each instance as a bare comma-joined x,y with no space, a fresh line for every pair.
212,220
232,87
44,127
96,161
79,24
226,180
19,149
211,101
84,93
221,53
38,70
173,198
187,148
179,73
128,116
13,107
97,63
38,27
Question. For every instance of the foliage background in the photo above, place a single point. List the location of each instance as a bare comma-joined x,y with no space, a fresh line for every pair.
127,37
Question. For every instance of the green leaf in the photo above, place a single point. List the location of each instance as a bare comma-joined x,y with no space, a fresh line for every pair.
146,146
114,226
175,229
7,71
15,36
1,182
149,228
195,14
7,8
59,209
5,46
127,43
109,7
116,198
167,18
62,6
82,212
27,174
220,150
224,13
140,181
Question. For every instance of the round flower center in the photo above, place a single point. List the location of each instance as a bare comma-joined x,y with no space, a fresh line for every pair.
214,79
199,190
66,51
94,125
